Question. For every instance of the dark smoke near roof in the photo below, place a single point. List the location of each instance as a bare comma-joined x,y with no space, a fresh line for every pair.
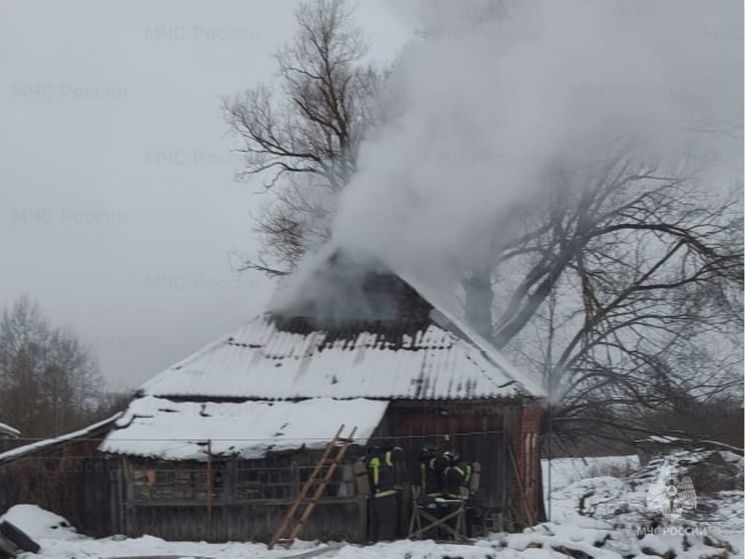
349,290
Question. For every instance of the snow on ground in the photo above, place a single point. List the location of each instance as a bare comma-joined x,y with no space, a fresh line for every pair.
599,511
148,546
611,495
547,541
41,524
564,471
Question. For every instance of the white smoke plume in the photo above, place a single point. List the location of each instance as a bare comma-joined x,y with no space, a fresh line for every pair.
491,95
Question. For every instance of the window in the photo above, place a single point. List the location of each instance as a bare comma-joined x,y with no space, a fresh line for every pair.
341,484
274,478
254,483
176,482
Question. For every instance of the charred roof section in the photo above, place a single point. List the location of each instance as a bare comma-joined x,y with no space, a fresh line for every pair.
348,296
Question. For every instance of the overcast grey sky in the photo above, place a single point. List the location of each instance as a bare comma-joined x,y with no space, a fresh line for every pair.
118,207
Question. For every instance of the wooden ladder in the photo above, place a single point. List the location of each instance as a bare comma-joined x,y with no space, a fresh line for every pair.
303,506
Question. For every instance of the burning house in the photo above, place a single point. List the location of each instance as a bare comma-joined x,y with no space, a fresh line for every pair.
218,446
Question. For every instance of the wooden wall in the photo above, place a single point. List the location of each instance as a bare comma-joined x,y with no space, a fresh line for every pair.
329,521
97,493
478,431
73,481
228,514
526,460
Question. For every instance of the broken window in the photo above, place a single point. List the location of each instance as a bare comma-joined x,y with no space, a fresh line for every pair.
274,478
176,481
254,483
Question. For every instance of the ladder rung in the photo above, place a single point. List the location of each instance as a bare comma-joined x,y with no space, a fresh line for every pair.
303,505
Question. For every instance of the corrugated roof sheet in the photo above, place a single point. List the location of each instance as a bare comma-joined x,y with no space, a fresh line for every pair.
48,445
262,361
8,431
160,428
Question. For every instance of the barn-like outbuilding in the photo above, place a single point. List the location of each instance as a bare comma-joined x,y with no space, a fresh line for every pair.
217,446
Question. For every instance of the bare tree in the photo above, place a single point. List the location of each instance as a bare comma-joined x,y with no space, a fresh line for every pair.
626,235
611,282
622,277
49,381
303,137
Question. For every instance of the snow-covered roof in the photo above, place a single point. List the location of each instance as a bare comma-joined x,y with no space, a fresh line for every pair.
348,326
8,431
157,427
263,361
48,445
529,381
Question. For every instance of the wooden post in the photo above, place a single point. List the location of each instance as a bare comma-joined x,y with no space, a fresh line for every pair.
208,487
524,498
122,480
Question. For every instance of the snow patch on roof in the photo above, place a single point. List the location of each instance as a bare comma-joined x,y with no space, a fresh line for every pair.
160,428
8,431
51,443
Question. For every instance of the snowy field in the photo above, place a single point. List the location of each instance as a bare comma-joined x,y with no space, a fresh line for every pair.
598,511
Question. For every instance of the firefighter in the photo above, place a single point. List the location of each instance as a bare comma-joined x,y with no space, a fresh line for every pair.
441,476
384,501
456,477
432,467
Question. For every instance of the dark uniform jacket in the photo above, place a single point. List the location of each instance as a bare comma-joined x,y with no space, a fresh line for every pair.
432,470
